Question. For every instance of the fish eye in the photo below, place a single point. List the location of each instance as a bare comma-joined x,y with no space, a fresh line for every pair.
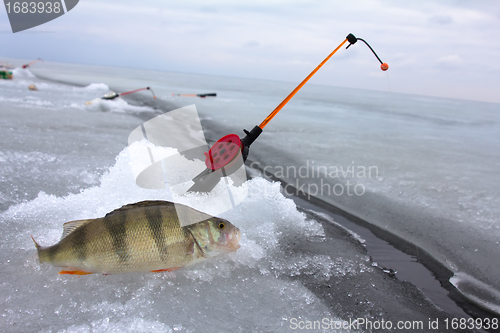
221,225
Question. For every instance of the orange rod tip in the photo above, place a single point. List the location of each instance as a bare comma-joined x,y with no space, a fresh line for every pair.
384,66
289,97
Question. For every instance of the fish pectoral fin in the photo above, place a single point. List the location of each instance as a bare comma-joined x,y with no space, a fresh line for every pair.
165,270
74,272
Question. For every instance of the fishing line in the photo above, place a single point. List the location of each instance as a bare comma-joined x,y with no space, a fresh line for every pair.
383,65
392,108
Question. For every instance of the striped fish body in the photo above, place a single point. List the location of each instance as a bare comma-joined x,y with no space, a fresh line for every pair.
146,236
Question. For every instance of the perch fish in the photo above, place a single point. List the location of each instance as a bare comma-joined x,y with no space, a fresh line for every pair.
145,236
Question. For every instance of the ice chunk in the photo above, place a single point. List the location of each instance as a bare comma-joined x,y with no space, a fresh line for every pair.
97,86
477,292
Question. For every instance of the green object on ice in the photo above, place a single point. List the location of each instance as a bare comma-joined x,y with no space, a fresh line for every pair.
6,75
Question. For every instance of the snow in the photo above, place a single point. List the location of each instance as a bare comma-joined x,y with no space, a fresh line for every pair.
240,287
97,86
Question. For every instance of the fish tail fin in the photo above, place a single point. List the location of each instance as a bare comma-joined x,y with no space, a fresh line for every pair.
38,249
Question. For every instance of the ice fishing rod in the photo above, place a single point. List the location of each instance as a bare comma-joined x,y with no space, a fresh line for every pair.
223,158
113,95
31,63
196,95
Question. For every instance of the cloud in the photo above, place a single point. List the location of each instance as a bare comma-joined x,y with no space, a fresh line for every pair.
441,19
450,62
280,40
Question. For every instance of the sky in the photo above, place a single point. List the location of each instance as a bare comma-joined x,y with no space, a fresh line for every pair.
444,48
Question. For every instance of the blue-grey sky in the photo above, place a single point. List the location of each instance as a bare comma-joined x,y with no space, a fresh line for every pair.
447,48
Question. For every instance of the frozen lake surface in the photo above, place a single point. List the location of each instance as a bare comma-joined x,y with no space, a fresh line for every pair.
62,161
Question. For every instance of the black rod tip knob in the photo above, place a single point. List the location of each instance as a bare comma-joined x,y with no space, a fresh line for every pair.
351,39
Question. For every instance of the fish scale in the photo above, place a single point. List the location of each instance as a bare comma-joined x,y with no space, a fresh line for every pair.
146,236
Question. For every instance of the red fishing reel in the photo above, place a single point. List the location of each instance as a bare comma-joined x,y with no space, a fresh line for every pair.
224,152
225,157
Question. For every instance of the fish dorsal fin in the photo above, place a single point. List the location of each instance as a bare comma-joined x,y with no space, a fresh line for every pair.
141,204
71,226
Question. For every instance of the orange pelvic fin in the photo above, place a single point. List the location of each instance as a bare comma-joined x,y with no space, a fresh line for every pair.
165,270
74,272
